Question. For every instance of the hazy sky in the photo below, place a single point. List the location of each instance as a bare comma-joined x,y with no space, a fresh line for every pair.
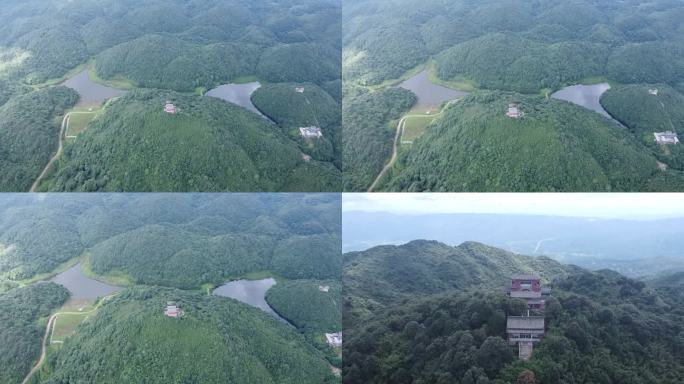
599,205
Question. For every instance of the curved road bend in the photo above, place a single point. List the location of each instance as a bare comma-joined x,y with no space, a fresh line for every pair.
35,368
397,136
65,123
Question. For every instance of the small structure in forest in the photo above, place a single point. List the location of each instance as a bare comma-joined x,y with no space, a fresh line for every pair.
334,339
667,137
170,108
299,89
528,288
653,92
310,132
524,331
324,288
173,310
514,112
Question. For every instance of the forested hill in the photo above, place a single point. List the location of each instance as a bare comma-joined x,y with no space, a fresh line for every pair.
20,330
203,238
555,146
186,46
601,327
644,113
385,275
516,45
216,340
174,44
208,146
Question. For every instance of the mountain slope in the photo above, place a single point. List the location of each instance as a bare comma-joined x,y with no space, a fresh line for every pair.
386,274
555,146
209,145
20,329
216,340
600,326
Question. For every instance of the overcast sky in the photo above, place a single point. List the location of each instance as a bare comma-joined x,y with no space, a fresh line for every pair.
598,205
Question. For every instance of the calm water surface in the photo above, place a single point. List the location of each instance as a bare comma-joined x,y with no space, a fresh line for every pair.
92,94
238,94
82,287
430,94
252,292
586,96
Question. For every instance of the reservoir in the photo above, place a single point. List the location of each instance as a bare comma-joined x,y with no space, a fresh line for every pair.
586,96
238,94
430,95
252,292
82,287
92,94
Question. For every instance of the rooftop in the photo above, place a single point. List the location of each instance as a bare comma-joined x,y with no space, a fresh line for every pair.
525,277
525,322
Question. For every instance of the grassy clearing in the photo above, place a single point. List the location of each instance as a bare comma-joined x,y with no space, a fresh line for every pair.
414,127
65,325
78,122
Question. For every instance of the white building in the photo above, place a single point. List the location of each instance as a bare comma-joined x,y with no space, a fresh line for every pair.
334,339
310,132
514,112
324,288
170,108
299,89
667,137
653,92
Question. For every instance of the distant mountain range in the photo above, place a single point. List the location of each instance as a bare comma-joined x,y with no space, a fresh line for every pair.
634,248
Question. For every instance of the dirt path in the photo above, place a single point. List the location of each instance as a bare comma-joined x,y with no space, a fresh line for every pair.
50,329
36,367
389,165
62,130
397,137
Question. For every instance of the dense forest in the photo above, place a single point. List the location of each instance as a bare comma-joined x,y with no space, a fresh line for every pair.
20,330
229,341
556,146
448,324
178,45
314,106
528,47
306,306
29,134
644,114
209,145
203,239
369,133
173,247
516,45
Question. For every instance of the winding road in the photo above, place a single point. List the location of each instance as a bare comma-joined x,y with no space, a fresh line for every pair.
48,336
36,367
397,137
65,123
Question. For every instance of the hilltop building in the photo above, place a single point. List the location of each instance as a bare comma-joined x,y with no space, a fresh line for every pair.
528,288
524,331
653,92
514,112
324,288
173,310
310,132
334,339
667,137
299,89
170,108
